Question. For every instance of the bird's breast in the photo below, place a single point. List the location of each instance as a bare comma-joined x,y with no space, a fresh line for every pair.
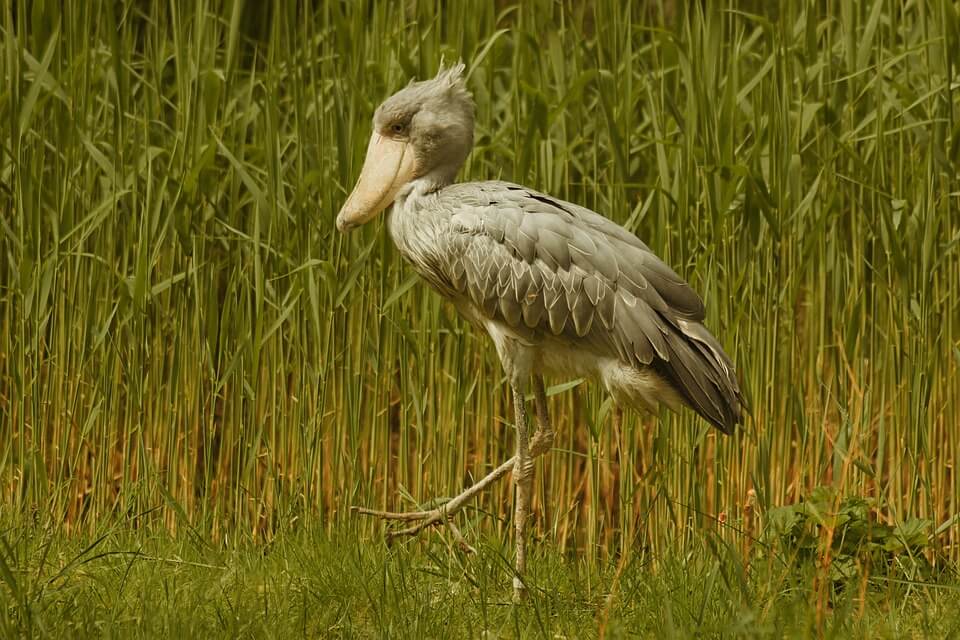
421,235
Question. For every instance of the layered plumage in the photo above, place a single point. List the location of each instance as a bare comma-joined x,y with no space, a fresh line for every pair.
554,276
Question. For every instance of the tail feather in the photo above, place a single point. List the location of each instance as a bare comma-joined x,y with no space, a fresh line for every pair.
703,375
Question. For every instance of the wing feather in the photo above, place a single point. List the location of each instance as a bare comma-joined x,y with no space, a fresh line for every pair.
548,266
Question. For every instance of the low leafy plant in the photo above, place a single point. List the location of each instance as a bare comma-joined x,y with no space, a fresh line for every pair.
845,535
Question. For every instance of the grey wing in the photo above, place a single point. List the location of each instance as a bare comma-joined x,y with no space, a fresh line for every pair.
543,265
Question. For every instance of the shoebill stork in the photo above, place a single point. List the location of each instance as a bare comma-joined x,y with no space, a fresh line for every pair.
561,290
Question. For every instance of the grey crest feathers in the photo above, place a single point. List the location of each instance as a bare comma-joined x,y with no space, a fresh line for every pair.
447,91
453,78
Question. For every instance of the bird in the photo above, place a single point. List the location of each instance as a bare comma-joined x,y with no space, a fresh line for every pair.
561,290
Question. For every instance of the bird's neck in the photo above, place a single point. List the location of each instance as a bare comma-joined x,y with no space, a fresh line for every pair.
416,225
413,191
435,180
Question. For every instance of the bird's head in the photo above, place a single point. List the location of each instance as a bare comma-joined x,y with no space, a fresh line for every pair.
424,131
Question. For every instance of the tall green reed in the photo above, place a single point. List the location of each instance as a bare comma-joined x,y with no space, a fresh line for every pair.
185,339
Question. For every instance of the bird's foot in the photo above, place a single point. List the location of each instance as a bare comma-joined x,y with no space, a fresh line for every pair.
439,516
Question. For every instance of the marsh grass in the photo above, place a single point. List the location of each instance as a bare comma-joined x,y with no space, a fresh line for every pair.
117,582
186,342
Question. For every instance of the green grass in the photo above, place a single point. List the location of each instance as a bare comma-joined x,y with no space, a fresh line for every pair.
146,583
188,345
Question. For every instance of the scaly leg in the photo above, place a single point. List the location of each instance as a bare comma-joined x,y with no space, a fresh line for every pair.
527,450
543,439
523,479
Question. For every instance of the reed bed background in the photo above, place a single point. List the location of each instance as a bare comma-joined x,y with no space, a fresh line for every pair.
186,340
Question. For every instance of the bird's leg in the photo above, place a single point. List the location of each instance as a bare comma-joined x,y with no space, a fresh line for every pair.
527,450
542,440
540,443
523,479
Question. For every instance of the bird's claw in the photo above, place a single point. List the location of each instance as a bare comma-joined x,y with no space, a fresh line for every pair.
458,537
434,517
442,515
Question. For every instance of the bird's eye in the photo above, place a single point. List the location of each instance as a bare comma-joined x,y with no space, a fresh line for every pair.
397,127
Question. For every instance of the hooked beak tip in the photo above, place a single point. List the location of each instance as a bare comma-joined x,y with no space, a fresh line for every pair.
344,225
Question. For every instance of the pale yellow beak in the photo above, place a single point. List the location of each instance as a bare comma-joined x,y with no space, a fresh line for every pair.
388,166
